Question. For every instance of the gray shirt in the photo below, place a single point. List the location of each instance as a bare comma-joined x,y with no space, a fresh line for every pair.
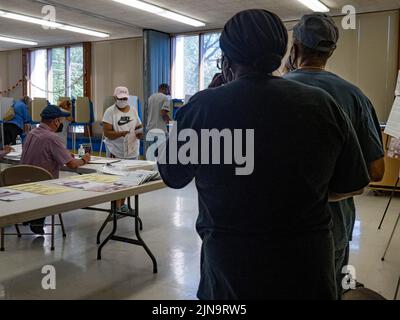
157,102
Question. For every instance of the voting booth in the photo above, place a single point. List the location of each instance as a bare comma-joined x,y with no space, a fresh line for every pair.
38,104
83,116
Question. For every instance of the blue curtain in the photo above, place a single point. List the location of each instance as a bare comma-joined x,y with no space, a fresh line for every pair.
157,63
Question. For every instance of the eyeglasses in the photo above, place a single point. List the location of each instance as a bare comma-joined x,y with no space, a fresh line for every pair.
219,63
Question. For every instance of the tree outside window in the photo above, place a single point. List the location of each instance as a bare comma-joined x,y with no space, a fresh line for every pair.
56,72
194,63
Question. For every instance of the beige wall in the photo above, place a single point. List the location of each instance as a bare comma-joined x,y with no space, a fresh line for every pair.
116,63
11,72
368,57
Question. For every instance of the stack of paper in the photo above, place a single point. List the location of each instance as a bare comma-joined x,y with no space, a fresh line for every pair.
121,168
17,153
102,183
139,177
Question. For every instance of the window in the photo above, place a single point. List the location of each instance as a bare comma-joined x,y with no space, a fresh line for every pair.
194,63
56,72
211,52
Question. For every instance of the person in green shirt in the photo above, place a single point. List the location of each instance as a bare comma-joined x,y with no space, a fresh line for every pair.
315,39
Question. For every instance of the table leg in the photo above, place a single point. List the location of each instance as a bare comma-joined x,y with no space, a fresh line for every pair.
103,227
138,224
137,232
114,230
2,249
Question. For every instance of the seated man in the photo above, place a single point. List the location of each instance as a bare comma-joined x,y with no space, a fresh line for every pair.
44,148
5,151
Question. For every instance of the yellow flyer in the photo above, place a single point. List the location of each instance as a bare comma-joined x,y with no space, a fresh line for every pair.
96,178
41,189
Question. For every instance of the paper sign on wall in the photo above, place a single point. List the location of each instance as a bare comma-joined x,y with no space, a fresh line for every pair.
393,124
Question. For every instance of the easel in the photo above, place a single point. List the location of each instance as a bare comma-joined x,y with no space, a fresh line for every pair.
397,290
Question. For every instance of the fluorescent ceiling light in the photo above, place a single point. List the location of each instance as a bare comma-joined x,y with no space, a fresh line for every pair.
315,5
84,31
51,24
13,40
161,12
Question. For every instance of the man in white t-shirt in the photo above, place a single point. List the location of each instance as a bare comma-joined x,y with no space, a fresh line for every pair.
122,127
158,109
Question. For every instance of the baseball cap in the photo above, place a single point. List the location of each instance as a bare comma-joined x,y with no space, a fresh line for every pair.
317,31
121,93
53,112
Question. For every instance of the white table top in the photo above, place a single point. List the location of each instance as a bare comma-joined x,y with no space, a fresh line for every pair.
89,168
43,206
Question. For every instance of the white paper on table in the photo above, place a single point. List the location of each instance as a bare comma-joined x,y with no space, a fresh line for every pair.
139,177
128,165
90,186
397,92
12,195
17,153
130,144
113,171
125,167
103,161
393,124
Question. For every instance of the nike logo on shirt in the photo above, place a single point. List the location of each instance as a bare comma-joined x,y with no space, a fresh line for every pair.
124,121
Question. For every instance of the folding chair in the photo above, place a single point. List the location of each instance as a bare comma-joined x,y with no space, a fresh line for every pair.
21,175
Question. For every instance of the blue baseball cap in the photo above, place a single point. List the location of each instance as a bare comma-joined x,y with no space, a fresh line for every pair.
317,31
53,112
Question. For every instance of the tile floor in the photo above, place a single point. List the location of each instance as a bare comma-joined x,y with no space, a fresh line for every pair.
169,220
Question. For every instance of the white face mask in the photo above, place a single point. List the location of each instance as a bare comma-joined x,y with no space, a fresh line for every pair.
121,104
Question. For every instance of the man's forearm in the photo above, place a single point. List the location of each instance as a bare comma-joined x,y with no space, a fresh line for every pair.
113,135
336,197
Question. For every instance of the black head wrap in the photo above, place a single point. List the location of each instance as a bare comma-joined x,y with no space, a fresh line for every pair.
255,38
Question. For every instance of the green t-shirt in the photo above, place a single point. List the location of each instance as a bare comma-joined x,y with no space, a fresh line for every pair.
363,117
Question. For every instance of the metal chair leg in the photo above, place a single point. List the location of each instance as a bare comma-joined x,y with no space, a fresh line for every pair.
62,226
391,237
18,231
390,201
52,233
397,290
2,249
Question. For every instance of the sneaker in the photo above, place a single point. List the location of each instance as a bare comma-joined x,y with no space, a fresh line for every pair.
123,211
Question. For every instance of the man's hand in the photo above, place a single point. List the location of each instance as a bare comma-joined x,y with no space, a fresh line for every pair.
124,133
86,158
8,149
27,128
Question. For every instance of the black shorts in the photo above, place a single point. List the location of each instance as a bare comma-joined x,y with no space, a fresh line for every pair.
11,132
